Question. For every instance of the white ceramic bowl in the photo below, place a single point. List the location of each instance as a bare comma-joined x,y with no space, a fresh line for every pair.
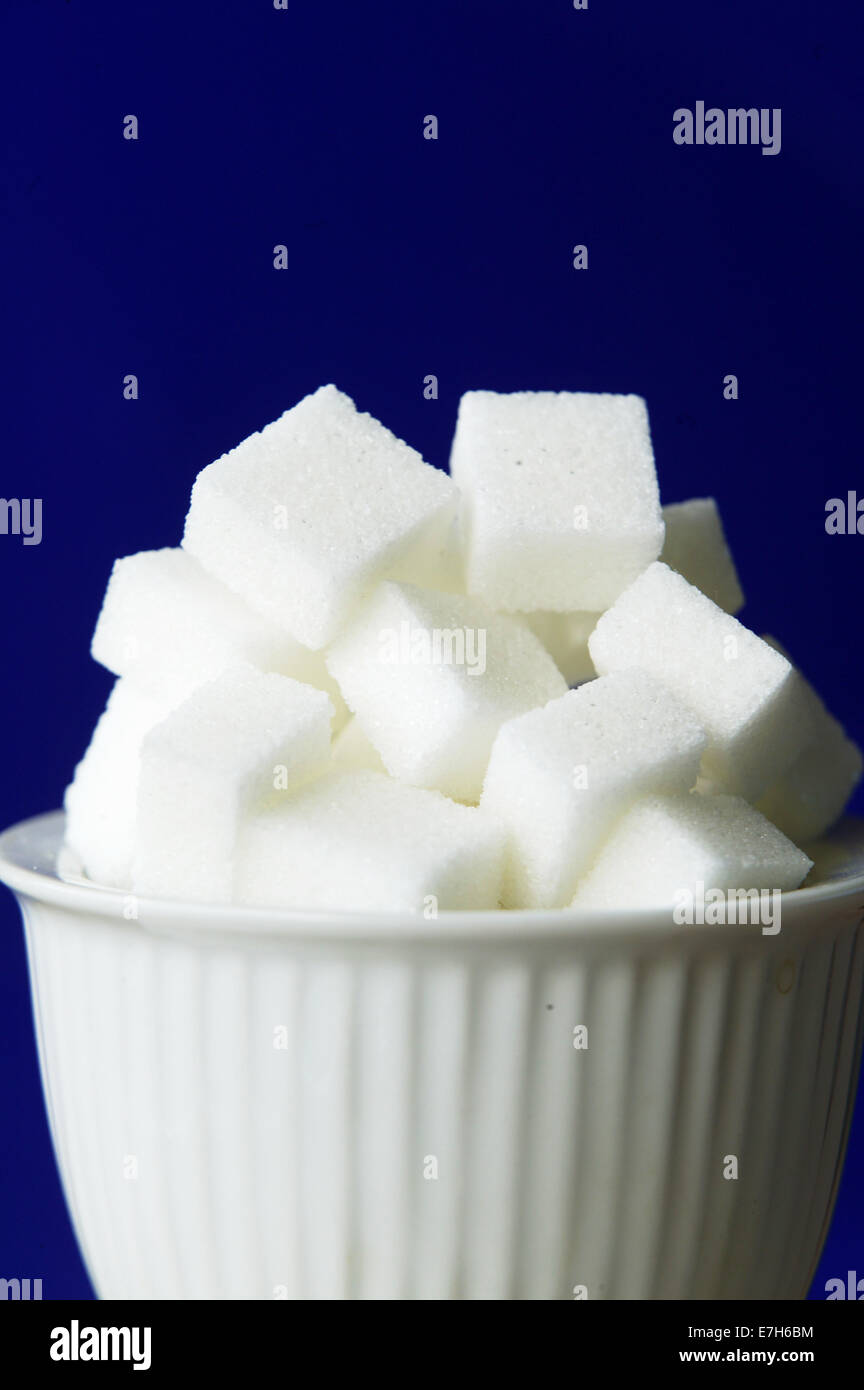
252,1104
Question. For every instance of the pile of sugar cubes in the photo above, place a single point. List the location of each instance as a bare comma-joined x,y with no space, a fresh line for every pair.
360,684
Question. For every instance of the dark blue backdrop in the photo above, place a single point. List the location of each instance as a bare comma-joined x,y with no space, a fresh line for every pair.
406,257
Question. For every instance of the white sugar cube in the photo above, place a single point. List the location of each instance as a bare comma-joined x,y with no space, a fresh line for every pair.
748,697
302,519
101,799
169,626
353,752
667,847
811,795
561,502
559,776
359,841
565,637
236,740
695,546
431,677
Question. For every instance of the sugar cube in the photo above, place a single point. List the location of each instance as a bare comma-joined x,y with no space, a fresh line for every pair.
561,502
748,697
361,841
811,795
100,801
668,846
695,546
559,776
431,677
169,626
565,637
303,518
236,740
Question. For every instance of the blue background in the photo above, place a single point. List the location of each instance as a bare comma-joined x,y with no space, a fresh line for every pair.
406,257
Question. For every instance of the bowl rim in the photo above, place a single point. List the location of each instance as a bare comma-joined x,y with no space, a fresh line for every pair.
29,881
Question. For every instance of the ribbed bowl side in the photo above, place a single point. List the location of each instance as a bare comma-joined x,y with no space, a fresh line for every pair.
243,1119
